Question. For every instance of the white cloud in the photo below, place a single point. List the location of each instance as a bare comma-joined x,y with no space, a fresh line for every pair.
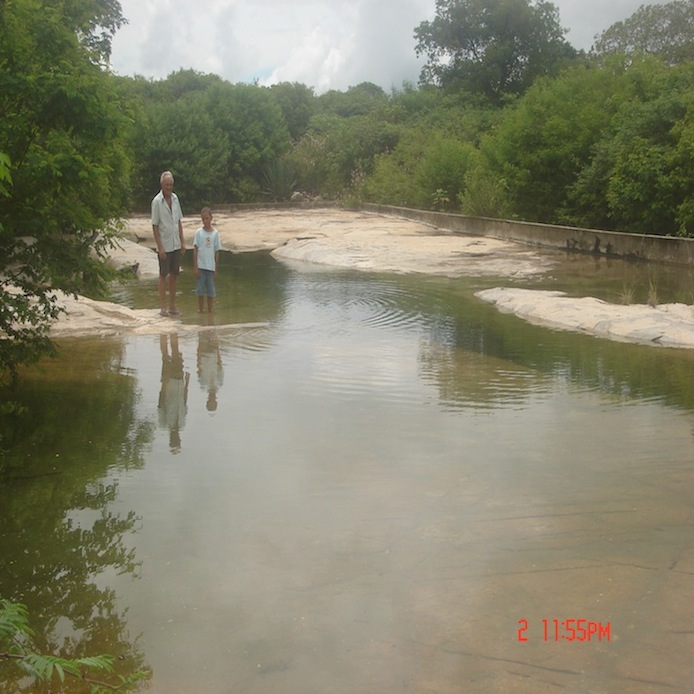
325,44
316,59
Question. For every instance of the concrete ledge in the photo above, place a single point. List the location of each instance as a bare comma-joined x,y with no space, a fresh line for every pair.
612,244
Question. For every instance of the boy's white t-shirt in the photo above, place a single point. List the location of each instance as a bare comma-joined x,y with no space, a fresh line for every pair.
207,243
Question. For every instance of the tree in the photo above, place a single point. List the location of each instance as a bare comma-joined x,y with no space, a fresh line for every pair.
61,128
641,176
338,152
182,138
216,137
666,31
426,169
536,152
297,103
606,147
360,100
491,48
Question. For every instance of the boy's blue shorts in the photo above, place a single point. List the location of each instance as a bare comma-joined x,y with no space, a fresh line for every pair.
205,284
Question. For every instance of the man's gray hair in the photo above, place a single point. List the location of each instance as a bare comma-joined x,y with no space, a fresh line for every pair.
165,174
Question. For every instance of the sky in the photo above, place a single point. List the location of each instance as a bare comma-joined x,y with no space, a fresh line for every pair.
324,44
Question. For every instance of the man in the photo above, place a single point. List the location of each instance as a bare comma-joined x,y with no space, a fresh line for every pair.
168,235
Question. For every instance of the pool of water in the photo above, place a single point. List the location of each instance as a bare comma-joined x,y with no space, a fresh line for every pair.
384,486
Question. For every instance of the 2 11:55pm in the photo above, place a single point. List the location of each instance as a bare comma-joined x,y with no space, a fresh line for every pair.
569,630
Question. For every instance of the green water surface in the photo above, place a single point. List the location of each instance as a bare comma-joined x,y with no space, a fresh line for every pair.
372,490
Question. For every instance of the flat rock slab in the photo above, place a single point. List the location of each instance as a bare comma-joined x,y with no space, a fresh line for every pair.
668,325
86,317
360,240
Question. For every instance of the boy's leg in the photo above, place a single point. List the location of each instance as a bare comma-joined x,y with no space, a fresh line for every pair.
210,293
200,290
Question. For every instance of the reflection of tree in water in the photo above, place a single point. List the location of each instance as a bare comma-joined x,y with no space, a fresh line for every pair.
59,536
480,356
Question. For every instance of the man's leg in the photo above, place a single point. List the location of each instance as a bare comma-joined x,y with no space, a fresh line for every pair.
172,293
162,294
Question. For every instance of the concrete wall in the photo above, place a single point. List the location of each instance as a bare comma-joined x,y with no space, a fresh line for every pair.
660,249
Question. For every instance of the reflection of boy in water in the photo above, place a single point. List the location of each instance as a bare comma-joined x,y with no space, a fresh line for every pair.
210,373
173,395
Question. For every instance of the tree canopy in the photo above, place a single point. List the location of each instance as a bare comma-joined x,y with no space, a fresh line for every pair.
666,31
491,47
61,127
214,136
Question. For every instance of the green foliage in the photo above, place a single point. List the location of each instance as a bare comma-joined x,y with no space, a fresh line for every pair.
441,172
185,140
393,180
61,131
16,644
598,146
14,624
666,31
485,191
5,176
544,141
361,100
640,177
682,159
337,151
424,170
297,103
280,180
216,137
492,48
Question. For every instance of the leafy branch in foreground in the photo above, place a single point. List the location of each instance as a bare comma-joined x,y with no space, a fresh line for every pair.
16,644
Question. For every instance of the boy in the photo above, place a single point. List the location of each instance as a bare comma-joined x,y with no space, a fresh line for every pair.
205,258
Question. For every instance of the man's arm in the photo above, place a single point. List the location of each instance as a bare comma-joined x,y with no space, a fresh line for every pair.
155,229
157,239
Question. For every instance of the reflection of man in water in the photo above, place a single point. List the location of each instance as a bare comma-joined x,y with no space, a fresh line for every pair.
173,395
210,373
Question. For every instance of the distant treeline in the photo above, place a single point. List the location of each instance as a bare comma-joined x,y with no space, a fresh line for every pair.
604,139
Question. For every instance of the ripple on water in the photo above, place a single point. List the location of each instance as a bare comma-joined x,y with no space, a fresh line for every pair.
387,307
